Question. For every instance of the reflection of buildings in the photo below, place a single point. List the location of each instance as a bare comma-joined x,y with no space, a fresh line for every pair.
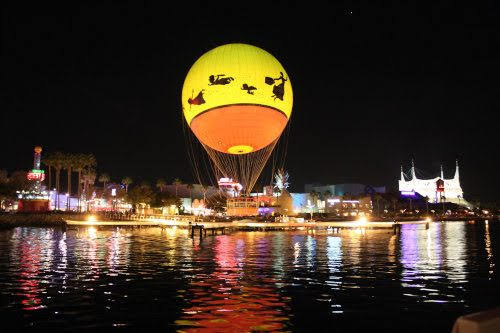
225,301
455,251
452,191
429,256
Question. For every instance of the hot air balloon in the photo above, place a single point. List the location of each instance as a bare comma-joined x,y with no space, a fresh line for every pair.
237,100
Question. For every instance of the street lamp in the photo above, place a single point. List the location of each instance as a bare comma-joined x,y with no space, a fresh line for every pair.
113,194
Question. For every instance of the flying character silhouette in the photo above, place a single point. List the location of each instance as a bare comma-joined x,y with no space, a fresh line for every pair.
278,89
219,79
198,99
248,88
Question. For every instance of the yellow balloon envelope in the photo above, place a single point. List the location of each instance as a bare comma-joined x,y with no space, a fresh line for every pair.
237,98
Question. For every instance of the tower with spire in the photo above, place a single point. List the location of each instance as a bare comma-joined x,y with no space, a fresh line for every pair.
427,187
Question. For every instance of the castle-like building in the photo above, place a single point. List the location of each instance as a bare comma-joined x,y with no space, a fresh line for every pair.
436,189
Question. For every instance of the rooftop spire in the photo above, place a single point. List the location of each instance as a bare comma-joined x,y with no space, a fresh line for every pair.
402,174
442,175
456,170
413,176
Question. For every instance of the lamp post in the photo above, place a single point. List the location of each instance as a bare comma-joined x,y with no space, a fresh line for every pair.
310,206
113,194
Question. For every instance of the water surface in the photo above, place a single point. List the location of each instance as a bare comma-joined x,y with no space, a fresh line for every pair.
417,281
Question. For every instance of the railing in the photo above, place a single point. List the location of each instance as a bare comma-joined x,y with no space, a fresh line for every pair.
181,218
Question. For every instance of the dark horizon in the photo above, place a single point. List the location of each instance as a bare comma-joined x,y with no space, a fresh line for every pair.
374,87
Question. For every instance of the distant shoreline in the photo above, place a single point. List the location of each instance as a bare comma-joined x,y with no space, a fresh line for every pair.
51,219
57,219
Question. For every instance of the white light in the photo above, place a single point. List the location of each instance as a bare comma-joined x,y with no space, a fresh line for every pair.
361,221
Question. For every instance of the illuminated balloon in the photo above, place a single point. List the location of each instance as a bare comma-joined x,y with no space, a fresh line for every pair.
237,99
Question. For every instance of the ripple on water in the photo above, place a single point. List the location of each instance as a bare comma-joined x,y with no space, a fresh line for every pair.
247,281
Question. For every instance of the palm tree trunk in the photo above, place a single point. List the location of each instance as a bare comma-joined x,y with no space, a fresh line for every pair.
50,179
69,189
79,189
58,174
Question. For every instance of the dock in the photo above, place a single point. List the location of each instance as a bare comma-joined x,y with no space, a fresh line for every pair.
214,228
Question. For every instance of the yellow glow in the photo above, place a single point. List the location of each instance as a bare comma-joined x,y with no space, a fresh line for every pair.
92,232
91,218
362,221
240,65
428,219
241,149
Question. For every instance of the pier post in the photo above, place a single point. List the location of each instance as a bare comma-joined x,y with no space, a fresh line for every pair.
427,225
192,232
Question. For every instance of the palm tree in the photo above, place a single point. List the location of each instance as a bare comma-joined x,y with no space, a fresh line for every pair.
204,189
127,181
427,204
314,200
190,188
49,161
161,183
378,197
58,160
68,163
82,161
88,176
78,165
104,178
394,201
177,182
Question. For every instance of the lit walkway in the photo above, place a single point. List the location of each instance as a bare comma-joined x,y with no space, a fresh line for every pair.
242,224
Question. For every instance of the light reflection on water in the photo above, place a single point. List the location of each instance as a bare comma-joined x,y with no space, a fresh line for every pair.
246,281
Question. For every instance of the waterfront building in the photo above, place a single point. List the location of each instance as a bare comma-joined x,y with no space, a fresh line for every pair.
341,206
344,189
437,189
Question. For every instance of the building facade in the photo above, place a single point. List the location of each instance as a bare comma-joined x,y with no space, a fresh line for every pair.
437,189
344,189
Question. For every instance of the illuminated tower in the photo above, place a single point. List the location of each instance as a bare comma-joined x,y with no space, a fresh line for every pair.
34,200
38,156
36,174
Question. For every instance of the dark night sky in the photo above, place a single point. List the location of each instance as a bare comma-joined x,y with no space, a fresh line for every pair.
372,88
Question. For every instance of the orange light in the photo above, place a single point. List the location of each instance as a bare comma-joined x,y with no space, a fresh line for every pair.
239,129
